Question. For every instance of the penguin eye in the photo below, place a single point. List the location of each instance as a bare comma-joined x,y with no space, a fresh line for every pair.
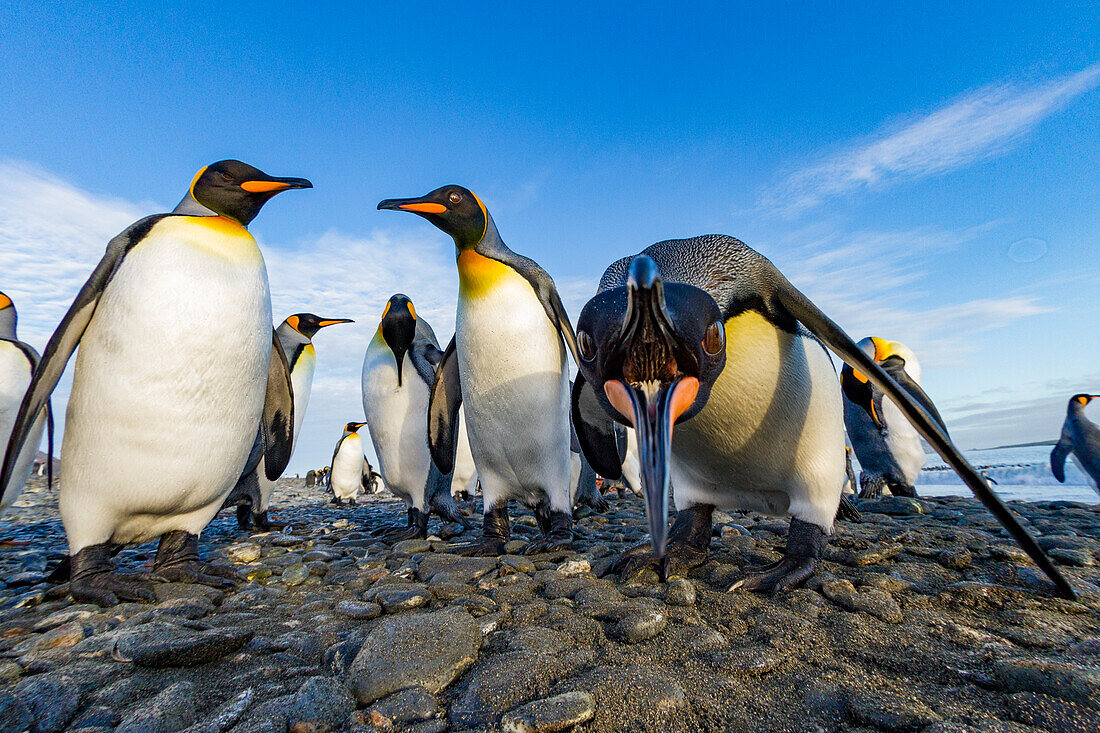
586,345
714,340
455,197
225,176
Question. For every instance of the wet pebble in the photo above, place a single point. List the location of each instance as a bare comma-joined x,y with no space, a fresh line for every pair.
550,714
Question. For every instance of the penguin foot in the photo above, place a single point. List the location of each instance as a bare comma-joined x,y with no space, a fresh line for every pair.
802,559
871,487
178,561
337,501
244,516
556,535
688,547
94,580
416,529
264,522
903,490
351,502
847,510
495,531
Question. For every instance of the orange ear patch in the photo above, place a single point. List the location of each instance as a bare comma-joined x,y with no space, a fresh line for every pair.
5,301
293,322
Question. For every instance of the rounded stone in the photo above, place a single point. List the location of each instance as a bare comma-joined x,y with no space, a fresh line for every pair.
550,714
360,610
640,626
295,574
680,592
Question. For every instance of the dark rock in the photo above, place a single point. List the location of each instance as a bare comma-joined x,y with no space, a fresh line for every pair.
634,698
745,661
503,681
468,568
321,700
680,592
889,711
551,714
54,697
429,650
879,604
14,715
358,610
409,705
640,626
397,597
173,709
157,646
1052,713
1060,679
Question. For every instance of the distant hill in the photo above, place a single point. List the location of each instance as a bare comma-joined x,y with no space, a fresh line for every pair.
1023,445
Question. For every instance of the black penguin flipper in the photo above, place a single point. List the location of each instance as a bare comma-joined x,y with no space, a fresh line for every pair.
1058,456
277,424
595,431
443,404
64,341
425,358
49,444
896,369
799,306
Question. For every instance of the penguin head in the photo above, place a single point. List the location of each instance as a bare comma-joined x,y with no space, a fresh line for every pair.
454,209
652,351
1079,401
8,317
352,427
891,356
308,324
238,191
398,328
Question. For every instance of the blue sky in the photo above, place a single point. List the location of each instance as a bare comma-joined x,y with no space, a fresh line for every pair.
926,173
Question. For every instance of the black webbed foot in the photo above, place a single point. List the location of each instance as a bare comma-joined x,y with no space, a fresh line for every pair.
265,523
557,534
802,558
417,528
688,547
178,561
337,501
494,534
244,516
870,487
94,580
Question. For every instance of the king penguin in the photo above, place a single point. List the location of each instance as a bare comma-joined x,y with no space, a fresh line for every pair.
507,364
1081,437
887,445
720,366
349,466
252,494
17,363
178,364
398,371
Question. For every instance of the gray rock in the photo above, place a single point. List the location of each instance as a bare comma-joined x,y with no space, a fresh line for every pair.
745,661
359,610
14,715
429,650
633,698
551,714
397,597
878,603
156,646
640,626
321,700
408,705
244,552
173,709
1068,681
54,697
889,711
411,547
295,574
466,568
1052,713
502,682
680,592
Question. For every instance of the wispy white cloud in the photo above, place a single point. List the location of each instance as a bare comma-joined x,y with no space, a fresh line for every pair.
971,127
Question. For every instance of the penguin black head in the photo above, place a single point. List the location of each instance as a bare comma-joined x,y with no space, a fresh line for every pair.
398,328
237,190
308,324
1082,400
890,355
454,209
652,351
352,427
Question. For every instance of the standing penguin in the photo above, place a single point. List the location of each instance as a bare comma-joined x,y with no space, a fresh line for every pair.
349,465
707,336
507,365
252,494
887,445
1080,436
178,364
17,363
395,402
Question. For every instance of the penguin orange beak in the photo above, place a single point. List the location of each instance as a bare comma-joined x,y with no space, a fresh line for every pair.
333,322
417,206
275,185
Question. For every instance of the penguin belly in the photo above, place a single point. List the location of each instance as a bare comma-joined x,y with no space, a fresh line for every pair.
397,418
168,387
515,389
347,468
771,436
15,378
464,477
632,470
902,443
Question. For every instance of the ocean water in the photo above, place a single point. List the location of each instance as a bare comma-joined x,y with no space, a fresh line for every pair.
1021,473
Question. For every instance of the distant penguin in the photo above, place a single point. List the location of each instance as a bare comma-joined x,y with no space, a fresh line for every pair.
885,442
311,479
17,363
1081,437
349,465
507,364
176,355
252,494
398,371
720,365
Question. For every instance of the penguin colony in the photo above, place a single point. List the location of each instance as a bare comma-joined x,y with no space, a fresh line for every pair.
701,371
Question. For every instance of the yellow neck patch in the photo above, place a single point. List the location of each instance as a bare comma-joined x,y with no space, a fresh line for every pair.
478,274
215,234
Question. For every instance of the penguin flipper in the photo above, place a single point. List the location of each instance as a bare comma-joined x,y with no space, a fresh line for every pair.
1058,456
64,341
595,430
277,425
896,369
443,404
425,357
825,329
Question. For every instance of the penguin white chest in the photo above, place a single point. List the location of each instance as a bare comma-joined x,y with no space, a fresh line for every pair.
301,379
347,468
771,437
168,386
514,384
397,418
15,378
